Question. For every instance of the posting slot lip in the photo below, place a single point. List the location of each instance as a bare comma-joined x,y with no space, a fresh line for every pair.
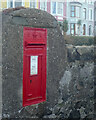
37,46
32,44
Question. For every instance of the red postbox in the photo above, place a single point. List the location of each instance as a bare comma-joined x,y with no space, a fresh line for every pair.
34,65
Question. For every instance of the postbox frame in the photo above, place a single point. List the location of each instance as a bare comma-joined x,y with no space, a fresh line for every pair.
28,44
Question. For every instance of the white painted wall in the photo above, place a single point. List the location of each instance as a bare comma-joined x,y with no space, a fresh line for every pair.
86,21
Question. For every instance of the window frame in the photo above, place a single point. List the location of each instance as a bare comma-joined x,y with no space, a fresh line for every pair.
8,1
84,29
30,3
17,1
76,11
52,7
84,13
91,2
45,1
61,8
74,28
90,27
9,4
73,11
0,5
91,14
95,14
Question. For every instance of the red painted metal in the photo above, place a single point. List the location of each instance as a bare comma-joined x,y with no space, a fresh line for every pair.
34,85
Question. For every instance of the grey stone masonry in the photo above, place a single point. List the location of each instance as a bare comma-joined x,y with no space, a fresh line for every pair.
70,71
12,71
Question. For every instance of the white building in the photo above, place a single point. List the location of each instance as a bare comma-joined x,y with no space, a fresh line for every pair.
95,18
80,11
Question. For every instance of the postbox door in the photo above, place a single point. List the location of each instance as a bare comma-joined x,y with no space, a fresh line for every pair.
34,77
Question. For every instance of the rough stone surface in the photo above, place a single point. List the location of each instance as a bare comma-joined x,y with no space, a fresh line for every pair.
70,82
78,93
31,17
12,49
81,53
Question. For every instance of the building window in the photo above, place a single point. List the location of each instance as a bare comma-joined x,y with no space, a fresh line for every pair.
32,4
78,12
84,29
90,14
10,3
43,6
54,7
60,8
0,4
84,13
91,2
14,3
75,11
18,3
72,28
95,31
90,29
72,11
95,14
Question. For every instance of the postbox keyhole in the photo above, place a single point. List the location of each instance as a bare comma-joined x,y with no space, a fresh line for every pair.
30,81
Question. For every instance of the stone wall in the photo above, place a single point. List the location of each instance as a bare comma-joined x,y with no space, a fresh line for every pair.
76,87
12,61
77,83
70,70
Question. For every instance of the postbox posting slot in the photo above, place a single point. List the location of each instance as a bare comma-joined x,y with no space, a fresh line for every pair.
33,44
30,44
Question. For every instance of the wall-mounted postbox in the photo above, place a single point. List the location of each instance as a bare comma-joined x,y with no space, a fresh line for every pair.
34,65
